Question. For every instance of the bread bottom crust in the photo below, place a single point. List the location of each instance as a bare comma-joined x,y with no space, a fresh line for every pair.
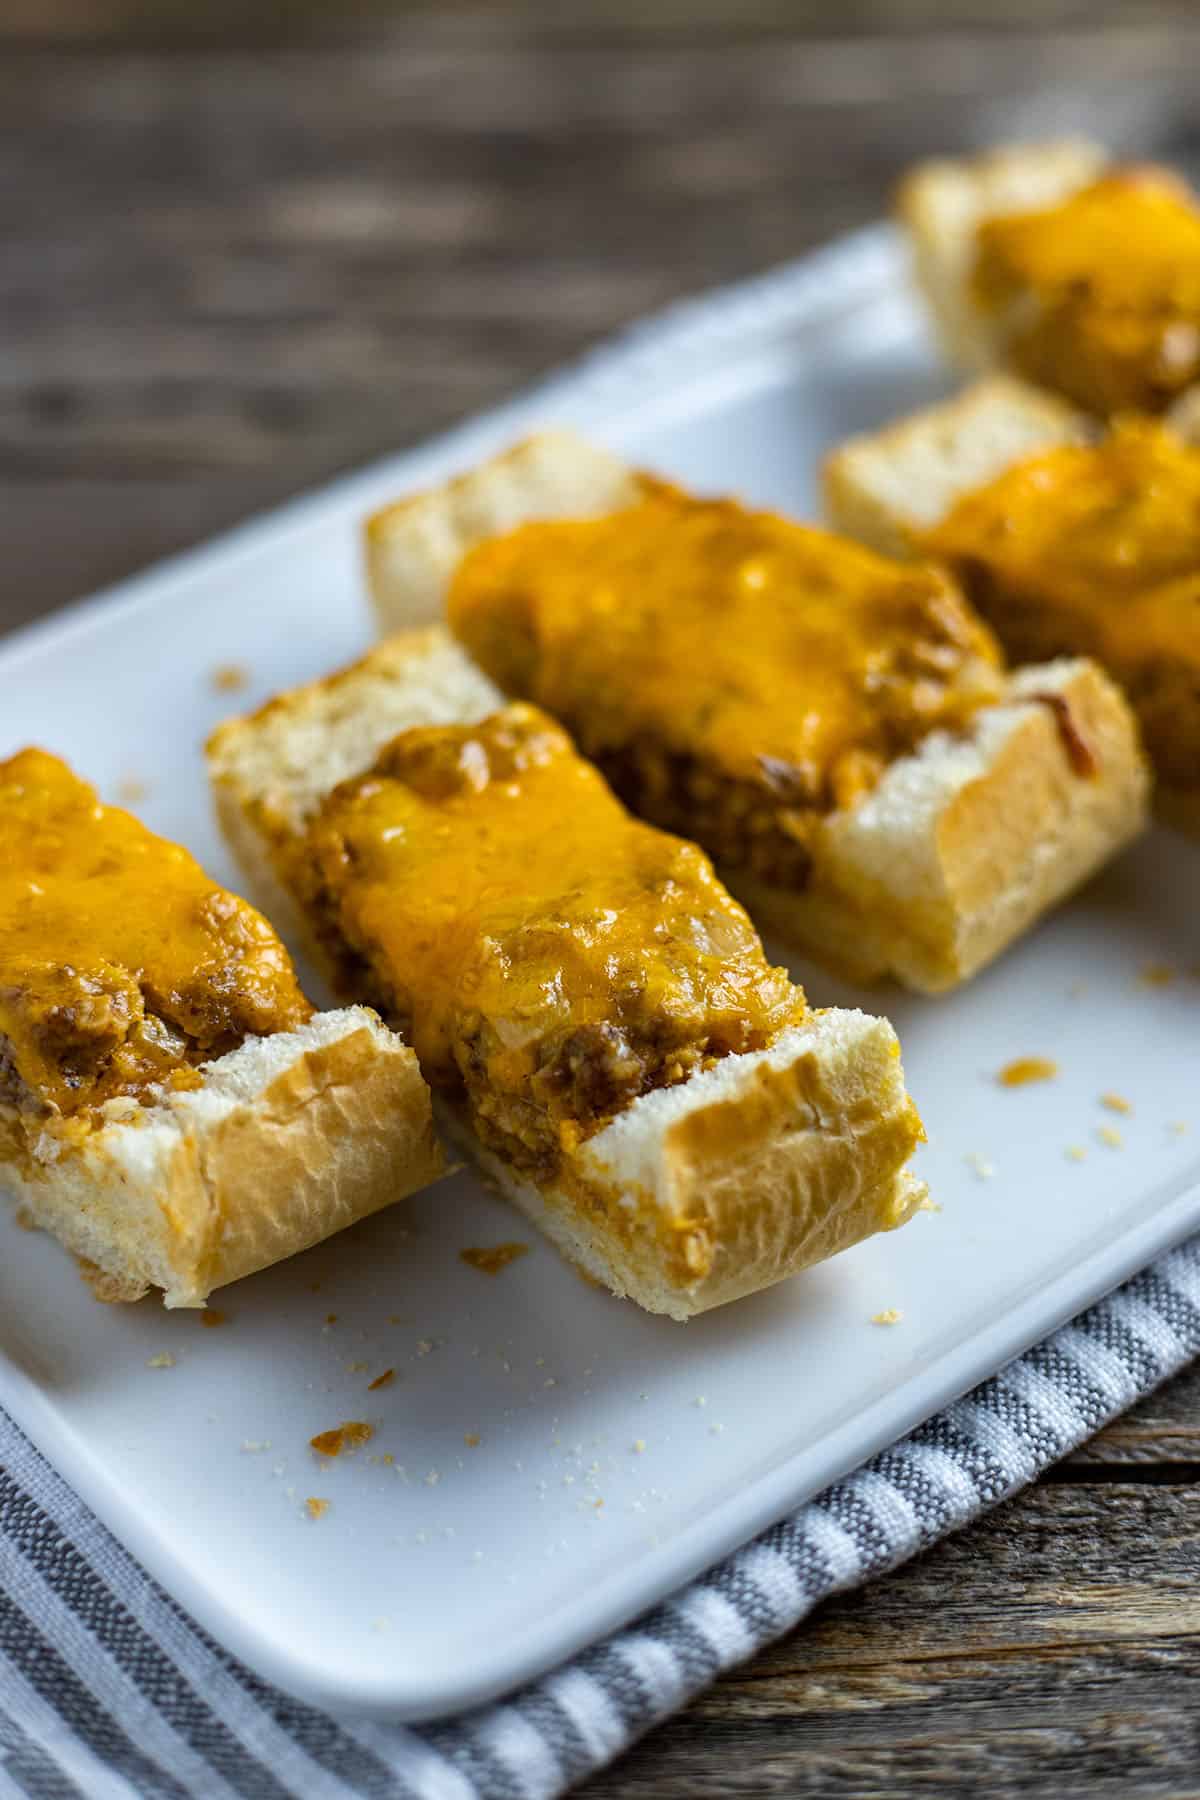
737,1179
288,1140
968,842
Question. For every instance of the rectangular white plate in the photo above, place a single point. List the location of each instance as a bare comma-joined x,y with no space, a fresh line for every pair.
618,1454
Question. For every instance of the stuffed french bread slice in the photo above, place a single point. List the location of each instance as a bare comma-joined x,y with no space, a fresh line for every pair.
1063,266
595,1013
837,728
172,1108
1070,537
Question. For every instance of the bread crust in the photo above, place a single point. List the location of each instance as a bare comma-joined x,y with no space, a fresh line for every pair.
693,1195
269,771
966,844
802,1156
288,1140
998,835
413,547
883,486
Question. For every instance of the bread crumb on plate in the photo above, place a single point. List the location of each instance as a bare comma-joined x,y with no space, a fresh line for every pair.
349,1435
164,1360
316,1509
491,1258
229,678
1116,1103
1025,1069
890,1316
382,1381
1108,1134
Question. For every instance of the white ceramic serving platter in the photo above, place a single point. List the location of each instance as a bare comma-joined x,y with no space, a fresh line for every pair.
616,1454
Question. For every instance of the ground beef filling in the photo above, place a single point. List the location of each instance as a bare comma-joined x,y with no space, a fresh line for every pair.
763,826
1165,695
550,958
88,1038
15,1094
580,1080
1161,685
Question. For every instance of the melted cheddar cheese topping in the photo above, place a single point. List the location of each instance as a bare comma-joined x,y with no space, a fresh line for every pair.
1102,291
543,951
1095,550
730,670
122,966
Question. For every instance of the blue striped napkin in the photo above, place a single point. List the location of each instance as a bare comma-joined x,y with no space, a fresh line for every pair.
108,1690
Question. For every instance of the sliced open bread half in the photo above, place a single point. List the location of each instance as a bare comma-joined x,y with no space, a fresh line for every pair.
965,840
693,1193
171,1106
1004,444
942,203
288,1139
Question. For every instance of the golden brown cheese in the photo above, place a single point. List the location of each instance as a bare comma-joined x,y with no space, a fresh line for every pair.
547,955
1102,291
122,966
1095,550
735,674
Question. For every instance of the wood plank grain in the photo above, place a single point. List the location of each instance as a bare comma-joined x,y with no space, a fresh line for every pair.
1119,1725
162,22
1052,1649
242,272
1163,1431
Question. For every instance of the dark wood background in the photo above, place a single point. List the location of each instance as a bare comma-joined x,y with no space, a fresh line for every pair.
243,248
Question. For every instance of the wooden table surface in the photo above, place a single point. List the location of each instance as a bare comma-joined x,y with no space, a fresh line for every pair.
241,255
